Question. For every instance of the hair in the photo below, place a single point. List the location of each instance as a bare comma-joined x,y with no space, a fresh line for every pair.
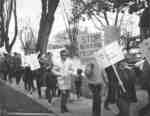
63,51
79,71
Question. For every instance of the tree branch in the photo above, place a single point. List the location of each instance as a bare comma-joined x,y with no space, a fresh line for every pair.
99,20
96,25
2,22
117,16
21,40
121,20
46,23
106,17
9,12
16,24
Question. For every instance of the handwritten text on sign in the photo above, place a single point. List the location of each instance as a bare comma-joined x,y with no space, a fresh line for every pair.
110,54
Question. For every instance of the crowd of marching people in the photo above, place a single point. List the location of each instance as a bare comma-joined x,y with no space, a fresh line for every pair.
47,75
58,81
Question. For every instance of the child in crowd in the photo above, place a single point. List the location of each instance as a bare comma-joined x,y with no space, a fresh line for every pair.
78,83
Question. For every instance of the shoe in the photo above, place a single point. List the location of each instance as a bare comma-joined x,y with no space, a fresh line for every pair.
66,110
50,101
106,107
62,111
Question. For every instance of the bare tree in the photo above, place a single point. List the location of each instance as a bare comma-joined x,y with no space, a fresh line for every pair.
46,23
28,41
8,9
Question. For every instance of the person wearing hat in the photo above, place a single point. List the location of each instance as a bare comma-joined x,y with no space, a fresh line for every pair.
97,79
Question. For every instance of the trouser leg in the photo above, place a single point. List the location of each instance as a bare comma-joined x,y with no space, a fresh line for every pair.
78,91
39,88
64,98
124,107
96,102
49,94
96,105
18,78
10,77
5,76
25,85
32,84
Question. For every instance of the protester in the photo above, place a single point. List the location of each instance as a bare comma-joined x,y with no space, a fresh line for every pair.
51,82
64,80
18,69
39,80
40,73
11,70
112,87
4,68
96,76
50,78
28,80
78,83
145,81
125,98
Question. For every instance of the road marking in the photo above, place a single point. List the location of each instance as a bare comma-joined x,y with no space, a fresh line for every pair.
28,114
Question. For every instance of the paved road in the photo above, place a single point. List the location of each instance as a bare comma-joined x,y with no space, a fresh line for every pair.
17,102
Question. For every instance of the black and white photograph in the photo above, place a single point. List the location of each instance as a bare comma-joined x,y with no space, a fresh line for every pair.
74,57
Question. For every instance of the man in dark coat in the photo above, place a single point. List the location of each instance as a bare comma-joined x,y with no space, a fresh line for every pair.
28,79
127,76
51,82
78,83
4,67
112,87
39,79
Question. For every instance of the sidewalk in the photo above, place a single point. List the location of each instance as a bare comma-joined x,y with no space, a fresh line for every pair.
80,107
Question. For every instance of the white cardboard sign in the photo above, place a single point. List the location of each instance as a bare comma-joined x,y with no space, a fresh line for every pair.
32,61
110,54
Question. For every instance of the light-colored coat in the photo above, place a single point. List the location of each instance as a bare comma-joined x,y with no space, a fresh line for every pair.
98,75
65,70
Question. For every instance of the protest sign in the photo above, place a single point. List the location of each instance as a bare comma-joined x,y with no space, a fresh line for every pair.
110,54
34,62
31,60
88,44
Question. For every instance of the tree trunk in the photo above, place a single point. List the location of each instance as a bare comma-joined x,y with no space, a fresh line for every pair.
8,45
1,23
6,15
46,23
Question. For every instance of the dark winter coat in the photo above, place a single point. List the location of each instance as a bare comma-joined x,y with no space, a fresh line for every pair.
128,78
